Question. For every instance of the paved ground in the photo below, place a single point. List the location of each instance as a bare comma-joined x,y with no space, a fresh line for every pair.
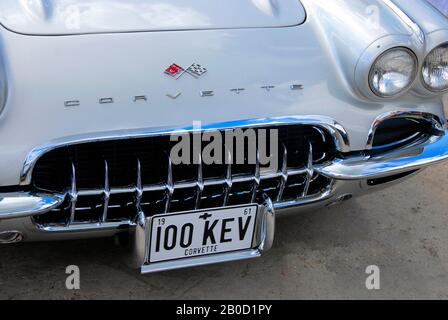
320,255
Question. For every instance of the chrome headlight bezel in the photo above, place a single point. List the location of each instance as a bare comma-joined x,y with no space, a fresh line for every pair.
424,82
412,77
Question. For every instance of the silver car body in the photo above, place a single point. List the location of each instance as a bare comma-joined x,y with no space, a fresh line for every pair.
78,71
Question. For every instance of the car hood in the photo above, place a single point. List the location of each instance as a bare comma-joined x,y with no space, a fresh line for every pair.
442,5
63,17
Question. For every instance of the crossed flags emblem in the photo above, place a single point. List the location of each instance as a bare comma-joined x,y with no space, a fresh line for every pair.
176,71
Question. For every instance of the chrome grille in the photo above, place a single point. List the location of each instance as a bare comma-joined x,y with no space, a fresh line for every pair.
110,183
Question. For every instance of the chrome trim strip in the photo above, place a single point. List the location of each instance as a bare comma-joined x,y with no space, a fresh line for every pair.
24,204
437,124
334,129
99,226
96,192
201,261
415,156
228,181
416,29
131,224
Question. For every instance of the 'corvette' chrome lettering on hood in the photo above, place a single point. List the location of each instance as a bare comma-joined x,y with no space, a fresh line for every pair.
61,17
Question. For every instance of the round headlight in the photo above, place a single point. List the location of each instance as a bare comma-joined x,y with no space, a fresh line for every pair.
435,69
393,72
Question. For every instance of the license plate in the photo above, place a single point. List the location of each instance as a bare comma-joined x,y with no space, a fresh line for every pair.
201,233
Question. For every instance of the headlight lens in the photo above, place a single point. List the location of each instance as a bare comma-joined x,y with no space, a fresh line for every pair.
435,69
393,72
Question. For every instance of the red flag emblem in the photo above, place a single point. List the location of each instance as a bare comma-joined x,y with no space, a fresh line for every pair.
174,70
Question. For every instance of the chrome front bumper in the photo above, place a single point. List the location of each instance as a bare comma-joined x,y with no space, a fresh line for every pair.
24,204
359,167
413,157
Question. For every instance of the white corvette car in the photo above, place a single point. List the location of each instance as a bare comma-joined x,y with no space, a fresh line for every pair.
92,93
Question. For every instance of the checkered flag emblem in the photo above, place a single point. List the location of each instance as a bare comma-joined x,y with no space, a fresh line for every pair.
196,70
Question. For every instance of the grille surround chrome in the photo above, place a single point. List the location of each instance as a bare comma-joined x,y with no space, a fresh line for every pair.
138,189
335,130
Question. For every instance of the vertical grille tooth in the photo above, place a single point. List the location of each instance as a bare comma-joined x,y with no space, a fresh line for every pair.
309,170
324,140
322,133
106,192
169,186
228,179
73,195
200,183
138,188
284,173
256,178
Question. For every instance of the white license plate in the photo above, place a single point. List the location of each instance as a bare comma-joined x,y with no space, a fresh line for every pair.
200,233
